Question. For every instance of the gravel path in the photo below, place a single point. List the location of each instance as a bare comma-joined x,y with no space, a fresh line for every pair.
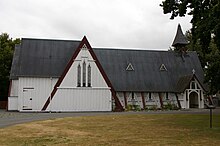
12,118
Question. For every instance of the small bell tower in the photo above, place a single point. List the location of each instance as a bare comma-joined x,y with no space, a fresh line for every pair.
180,41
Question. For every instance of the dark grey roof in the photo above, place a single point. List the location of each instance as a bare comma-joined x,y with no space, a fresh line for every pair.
15,62
48,58
147,75
42,57
183,82
179,39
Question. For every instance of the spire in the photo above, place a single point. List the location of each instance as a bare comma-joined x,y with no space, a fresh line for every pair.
180,40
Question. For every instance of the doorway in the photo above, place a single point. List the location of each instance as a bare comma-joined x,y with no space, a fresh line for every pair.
27,98
193,100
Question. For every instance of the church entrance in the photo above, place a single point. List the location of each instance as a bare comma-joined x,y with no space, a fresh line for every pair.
193,100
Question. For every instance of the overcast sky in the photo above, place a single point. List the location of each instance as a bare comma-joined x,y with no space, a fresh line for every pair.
106,23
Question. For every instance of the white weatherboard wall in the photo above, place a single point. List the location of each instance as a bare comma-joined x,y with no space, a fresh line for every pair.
69,97
138,99
156,99
13,97
121,98
149,103
170,100
182,100
82,99
36,89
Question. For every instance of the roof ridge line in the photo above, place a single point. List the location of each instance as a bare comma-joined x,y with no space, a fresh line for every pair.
131,49
48,39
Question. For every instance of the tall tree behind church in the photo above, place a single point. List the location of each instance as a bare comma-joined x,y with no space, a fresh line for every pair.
7,45
205,33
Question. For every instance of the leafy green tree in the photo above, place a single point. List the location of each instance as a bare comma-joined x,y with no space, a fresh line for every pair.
196,46
213,68
205,33
210,62
7,45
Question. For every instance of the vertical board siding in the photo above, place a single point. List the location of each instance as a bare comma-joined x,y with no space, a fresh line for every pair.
70,79
155,101
42,88
14,88
12,103
13,97
69,97
201,104
76,99
120,96
138,99
173,99
129,97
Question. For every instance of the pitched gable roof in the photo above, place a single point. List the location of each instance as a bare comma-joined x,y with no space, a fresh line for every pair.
42,57
185,80
15,62
147,75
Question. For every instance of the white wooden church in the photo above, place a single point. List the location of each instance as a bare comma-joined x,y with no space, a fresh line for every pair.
66,75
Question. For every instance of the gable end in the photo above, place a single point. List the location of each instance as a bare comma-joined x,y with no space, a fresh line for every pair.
83,45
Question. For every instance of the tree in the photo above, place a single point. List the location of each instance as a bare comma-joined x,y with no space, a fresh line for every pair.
209,61
205,33
213,70
6,54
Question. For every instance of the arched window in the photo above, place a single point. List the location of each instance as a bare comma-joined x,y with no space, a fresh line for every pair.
84,74
79,76
89,76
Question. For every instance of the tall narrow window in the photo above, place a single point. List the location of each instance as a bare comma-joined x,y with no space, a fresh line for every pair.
193,85
167,96
150,98
132,95
89,76
186,95
79,76
84,74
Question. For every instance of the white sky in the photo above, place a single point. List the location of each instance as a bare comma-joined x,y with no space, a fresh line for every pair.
106,23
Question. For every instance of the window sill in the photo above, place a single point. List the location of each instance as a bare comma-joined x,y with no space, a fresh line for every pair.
84,88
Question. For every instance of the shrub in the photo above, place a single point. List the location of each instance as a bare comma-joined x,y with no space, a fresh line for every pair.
130,107
170,106
152,107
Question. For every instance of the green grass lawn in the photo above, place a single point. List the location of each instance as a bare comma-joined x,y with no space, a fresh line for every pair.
122,130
